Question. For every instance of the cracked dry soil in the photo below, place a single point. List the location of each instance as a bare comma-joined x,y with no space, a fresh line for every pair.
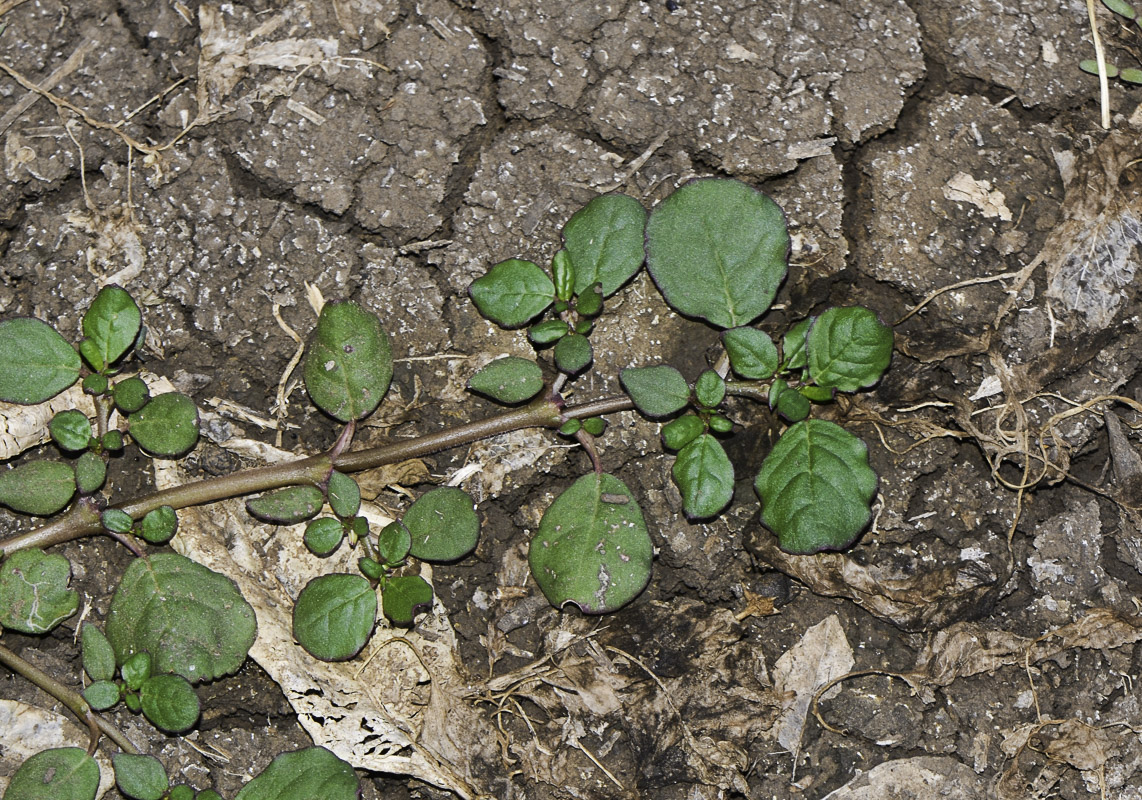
214,158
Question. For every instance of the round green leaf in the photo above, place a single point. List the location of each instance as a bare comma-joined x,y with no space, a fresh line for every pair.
38,362
98,657
63,773
547,332
443,524
334,616
323,535
717,250
563,273
208,794
570,427
403,597
167,426
303,775
101,695
136,670
849,348
512,293
705,477
393,543
95,383
169,702
682,431
816,488
131,394
34,597
590,302
1091,65
116,520
90,473
656,391
131,700
792,405
110,325
606,241
113,440
1131,75
509,379
710,389
720,424
344,495
194,622
40,488
592,548
594,425
349,364
753,355
140,777
287,506
793,345
159,526
181,792
371,568
573,353
71,430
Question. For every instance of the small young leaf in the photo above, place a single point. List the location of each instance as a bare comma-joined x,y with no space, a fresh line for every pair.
593,552
70,430
140,777
101,695
110,325
606,240
131,394
682,431
98,657
793,345
1121,8
849,348
570,427
563,273
717,250
136,670
112,440
323,535
180,792
169,703
393,543
753,355
334,616
595,425
90,473
349,365
792,405
62,773
818,394
34,597
512,293
207,794
371,568
573,353
117,521
443,524
167,426
96,384
719,424
816,488
194,620
583,327
344,495
160,525
710,389
40,488
547,332
303,775
590,302
1131,75
509,380
38,362
131,700
287,506
704,476
656,391
1091,65
403,597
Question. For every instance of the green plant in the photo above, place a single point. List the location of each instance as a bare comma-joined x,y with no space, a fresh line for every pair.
717,250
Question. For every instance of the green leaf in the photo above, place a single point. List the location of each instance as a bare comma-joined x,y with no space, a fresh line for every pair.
606,240
40,488
90,473
816,488
208,794
95,384
136,670
34,597
1121,8
181,792
63,773
570,427
110,325
704,476
160,525
594,425
193,621
563,273
393,543
509,380
443,524
710,389
1131,75
370,568
169,702
287,506
112,440
573,353
116,520
1091,65
140,777
590,303
303,775
344,495
592,548
334,616
38,362
718,250
98,657
793,345
547,332
102,695
131,394
753,355
512,293
323,535
131,700
656,391
349,364
818,394
403,597
720,424
682,431
167,426
71,430
792,405
849,348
